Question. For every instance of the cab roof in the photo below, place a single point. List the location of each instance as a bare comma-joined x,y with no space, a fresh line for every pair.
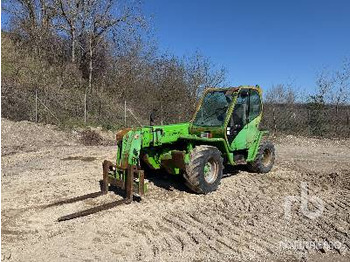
232,89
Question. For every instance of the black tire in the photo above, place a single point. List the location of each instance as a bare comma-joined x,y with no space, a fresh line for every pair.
204,157
265,158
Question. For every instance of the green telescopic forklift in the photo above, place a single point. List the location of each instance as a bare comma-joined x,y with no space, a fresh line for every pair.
224,130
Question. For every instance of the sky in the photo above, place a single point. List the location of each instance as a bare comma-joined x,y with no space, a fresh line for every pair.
264,42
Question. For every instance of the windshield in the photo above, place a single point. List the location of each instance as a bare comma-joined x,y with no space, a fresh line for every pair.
213,109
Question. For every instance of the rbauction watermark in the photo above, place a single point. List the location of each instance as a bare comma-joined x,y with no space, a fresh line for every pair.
304,199
316,245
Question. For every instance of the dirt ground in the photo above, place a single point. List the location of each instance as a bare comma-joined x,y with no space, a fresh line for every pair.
244,220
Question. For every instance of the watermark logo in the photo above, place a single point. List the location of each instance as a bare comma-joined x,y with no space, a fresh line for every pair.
309,245
304,199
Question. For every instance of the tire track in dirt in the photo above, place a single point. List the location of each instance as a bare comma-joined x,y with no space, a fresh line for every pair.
262,232
239,226
253,239
257,239
211,234
307,230
207,234
313,229
203,219
206,242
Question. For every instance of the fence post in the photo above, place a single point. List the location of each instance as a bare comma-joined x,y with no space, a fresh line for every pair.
161,113
274,121
348,121
85,108
125,113
36,105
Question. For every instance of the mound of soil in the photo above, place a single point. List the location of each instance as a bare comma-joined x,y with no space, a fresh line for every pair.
28,136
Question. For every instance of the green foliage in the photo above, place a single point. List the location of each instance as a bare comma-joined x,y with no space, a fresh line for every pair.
316,106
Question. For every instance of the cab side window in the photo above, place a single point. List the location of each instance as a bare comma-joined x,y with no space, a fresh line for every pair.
240,112
254,105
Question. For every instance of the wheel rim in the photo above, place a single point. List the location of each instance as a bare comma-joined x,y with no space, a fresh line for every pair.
267,157
210,171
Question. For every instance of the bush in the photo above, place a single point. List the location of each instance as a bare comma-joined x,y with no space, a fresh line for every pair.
90,138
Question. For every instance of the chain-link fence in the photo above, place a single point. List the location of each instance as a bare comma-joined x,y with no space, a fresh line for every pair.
66,107
307,120
71,107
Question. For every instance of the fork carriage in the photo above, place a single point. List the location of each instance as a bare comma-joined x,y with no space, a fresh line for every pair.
130,179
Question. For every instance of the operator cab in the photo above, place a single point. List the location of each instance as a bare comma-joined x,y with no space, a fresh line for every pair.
228,111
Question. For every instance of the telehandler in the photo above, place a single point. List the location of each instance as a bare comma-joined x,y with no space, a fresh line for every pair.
224,130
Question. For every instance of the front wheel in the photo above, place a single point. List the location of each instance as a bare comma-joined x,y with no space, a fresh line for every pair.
204,172
265,158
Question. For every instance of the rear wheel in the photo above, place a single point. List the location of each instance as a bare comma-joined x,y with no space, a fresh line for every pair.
204,172
265,158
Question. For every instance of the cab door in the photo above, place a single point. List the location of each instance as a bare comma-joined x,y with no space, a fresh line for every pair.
255,113
243,126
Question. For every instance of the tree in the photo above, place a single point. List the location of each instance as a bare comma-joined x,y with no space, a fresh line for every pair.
281,94
70,20
202,73
84,42
33,19
341,85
